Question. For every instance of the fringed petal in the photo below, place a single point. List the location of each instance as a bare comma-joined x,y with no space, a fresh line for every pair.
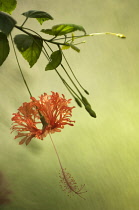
54,111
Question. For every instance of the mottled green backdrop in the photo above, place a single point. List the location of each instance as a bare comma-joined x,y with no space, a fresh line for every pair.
103,153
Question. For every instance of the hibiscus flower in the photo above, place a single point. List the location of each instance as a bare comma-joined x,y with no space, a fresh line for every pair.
37,118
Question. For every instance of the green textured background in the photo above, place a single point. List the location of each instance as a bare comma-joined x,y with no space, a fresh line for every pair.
103,153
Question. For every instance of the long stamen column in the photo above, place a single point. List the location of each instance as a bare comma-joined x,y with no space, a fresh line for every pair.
67,182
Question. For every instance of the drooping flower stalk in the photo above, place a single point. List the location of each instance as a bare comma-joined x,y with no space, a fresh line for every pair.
20,67
74,74
67,182
70,89
56,113
79,99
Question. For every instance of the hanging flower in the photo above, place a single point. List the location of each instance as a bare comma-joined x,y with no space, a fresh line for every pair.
50,111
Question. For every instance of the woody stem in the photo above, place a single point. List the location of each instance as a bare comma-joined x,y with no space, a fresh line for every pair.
41,117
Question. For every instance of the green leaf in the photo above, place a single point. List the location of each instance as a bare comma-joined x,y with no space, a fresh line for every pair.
48,31
23,42
7,5
4,47
63,29
29,46
6,23
65,47
39,15
55,60
41,20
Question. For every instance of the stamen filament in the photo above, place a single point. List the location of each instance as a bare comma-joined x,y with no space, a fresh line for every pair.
69,183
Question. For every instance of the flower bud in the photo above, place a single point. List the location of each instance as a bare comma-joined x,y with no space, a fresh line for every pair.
86,92
90,111
78,102
85,102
